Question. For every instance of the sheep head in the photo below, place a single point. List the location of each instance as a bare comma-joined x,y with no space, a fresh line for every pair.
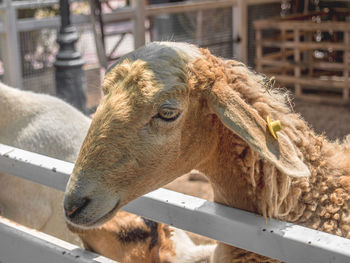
155,123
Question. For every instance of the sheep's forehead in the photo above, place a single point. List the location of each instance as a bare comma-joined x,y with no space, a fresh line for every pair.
132,77
167,60
146,80
143,79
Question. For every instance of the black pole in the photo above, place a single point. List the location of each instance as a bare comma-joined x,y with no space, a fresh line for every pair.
70,77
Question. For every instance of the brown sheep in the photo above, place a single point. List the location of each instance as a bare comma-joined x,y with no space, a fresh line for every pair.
129,238
49,126
169,108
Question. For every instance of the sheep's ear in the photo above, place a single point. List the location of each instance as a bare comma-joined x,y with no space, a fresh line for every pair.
243,120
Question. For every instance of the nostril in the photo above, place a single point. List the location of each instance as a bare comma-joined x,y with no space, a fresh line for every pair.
76,207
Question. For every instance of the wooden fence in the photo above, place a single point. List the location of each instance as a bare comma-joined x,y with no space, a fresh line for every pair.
307,51
276,239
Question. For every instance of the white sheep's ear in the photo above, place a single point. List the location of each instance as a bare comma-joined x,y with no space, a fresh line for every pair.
244,121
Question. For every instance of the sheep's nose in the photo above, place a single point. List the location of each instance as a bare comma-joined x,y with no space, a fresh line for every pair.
73,206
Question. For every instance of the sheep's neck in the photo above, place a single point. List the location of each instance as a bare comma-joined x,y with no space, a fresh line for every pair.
315,202
226,169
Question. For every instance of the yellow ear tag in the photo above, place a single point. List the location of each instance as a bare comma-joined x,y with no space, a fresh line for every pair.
274,127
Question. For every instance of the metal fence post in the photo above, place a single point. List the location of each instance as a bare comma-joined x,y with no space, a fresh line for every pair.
139,22
70,77
10,47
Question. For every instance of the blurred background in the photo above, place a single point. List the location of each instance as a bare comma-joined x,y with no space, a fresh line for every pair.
302,45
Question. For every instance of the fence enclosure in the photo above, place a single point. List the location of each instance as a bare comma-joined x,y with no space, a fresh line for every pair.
308,52
276,239
231,16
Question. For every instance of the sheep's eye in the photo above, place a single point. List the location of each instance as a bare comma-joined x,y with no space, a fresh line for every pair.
168,114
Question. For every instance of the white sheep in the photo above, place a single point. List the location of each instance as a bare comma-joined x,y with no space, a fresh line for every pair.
45,125
169,108
49,126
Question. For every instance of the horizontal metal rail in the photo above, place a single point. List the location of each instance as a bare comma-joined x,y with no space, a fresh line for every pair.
188,6
261,2
29,24
121,14
276,239
21,244
38,3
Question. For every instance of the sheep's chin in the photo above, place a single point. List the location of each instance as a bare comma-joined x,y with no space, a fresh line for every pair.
75,228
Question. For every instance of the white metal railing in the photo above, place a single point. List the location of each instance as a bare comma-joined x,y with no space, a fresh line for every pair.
276,239
19,244
138,12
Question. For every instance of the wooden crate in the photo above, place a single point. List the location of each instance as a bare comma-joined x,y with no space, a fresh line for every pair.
308,52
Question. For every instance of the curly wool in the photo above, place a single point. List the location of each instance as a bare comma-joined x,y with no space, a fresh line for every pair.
320,201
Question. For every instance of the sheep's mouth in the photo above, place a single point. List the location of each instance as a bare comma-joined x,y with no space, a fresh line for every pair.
76,228
107,216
